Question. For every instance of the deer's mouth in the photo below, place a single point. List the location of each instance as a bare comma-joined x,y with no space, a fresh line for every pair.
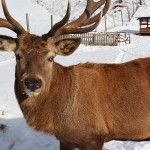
32,93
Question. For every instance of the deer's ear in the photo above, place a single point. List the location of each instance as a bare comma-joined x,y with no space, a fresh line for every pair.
67,46
7,43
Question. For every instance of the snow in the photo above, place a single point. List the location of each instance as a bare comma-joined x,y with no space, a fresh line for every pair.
18,136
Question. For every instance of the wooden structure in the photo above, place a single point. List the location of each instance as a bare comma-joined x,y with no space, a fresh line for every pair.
101,39
144,25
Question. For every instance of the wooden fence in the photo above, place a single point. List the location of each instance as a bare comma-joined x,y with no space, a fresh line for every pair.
95,39
103,39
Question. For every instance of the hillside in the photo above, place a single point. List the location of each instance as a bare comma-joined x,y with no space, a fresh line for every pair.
78,6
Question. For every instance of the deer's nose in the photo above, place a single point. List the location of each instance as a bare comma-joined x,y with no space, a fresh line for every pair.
33,84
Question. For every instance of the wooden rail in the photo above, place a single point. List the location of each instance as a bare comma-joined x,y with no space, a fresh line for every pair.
103,39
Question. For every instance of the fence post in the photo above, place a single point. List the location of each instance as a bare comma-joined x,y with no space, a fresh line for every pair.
118,38
125,37
93,39
133,9
105,23
51,21
128,13
27,22
137,6
114,20
129,38
121,17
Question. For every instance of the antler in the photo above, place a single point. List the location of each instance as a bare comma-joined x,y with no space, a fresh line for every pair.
85,23
59,24
10,23
5,23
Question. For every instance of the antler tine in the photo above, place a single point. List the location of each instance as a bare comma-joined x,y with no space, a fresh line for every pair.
59,24
88,12
17,27
82,30
77,26
93,19
90,9
6,24
106,7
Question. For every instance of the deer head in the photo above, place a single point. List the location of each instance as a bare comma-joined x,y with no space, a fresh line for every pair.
35,55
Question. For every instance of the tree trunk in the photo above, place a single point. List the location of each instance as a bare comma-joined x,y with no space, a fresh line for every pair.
120,1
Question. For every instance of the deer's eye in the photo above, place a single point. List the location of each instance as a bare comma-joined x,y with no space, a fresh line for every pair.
51,58
18,57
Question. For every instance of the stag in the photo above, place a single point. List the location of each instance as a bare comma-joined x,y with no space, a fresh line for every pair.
83,105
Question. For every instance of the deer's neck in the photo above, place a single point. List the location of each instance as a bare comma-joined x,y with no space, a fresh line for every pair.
43,112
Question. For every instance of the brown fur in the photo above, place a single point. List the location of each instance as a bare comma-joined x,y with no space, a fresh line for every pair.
83,105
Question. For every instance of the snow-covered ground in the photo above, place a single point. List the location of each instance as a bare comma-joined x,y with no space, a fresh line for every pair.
18,135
